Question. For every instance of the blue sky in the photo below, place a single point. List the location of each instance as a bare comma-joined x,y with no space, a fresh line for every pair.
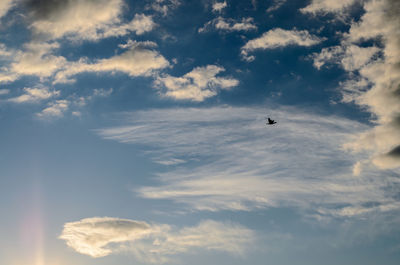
133,132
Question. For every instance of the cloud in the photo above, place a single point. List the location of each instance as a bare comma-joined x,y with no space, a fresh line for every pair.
276,38
220,23
163,6
243,165
218,6
5,6
351,57
4,91
154,243
170,161
197,85
325,6
36,59
84,19
140,24
276,5
35,94
357,168
55,109
374,77
137,61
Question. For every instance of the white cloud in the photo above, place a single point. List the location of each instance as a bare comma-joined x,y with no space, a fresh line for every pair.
324,6
102,92
374,82
4,51
170,161
357,168
140,24
54,110
277,37
197,85
276,5
5,6
163,6
35,94
220,23
102,236
351,57
37,59
218,6
137,61
243,165
88,20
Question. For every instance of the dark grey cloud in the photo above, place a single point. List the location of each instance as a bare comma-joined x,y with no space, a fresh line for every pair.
45,9
395,152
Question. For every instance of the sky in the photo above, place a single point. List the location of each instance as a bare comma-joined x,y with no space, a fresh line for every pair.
133,132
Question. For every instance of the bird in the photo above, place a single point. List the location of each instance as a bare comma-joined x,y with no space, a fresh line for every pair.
270,122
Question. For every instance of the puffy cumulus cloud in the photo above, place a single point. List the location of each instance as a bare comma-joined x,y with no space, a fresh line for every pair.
221,23
139,60
91,236
4,51
5,6
218,6
54,109
324,6
39,59
102,236
163,6
197,85
84,19
276,38
351,57
71,104
35,94
139,24
375,84
241,165
36,59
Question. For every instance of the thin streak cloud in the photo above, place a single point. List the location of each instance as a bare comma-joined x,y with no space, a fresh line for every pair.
243,165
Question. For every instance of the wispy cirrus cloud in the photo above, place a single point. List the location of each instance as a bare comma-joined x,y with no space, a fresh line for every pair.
278,37
220,23
153,243
197,85
243,165
276,5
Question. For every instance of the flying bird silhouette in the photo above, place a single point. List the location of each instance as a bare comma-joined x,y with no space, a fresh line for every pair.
270,122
